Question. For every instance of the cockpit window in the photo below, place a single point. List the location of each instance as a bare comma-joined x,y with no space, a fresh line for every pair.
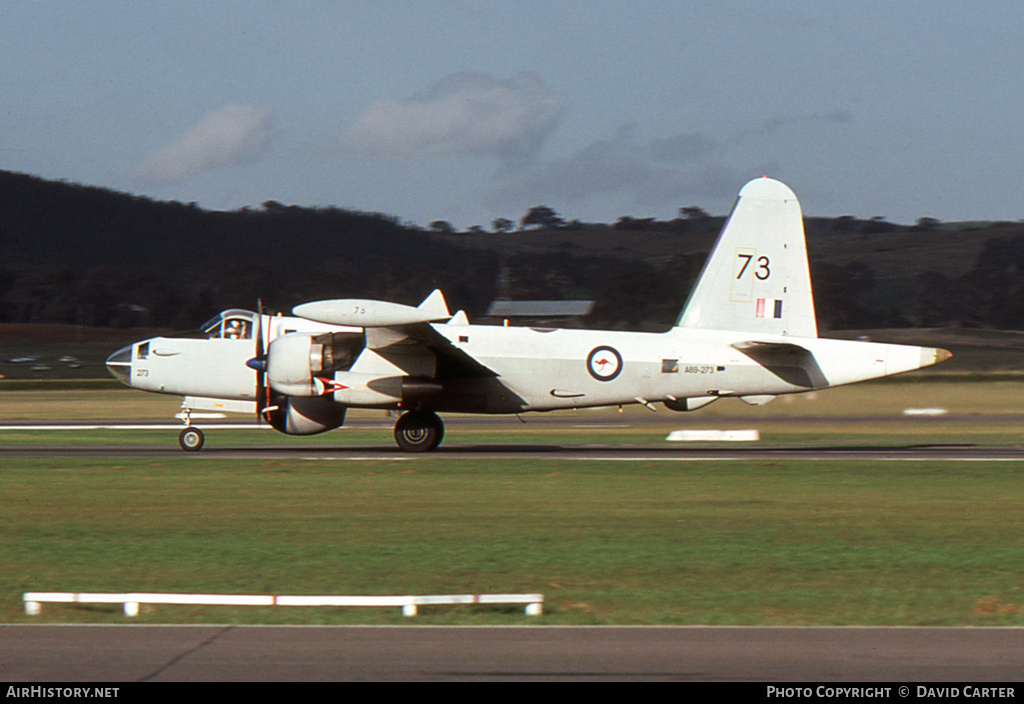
237,329
230,325
212,327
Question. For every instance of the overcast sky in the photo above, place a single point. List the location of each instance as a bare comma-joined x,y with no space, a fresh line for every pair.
470,110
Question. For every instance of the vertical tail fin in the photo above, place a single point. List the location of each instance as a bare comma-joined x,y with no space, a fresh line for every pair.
756,278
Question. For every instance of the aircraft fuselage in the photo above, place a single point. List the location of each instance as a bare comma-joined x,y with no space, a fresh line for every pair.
540,369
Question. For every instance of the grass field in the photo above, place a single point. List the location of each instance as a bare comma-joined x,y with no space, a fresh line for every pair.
650,542
606,542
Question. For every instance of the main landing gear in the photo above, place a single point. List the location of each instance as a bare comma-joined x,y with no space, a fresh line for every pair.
419,431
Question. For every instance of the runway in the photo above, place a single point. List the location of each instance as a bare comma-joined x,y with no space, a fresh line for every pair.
953,452
268,653
458,447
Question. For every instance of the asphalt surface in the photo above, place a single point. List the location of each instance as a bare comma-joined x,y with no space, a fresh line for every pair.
620,453
585,449
268,654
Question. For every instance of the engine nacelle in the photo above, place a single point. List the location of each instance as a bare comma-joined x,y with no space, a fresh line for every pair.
358,389
305,416
304,366
294,361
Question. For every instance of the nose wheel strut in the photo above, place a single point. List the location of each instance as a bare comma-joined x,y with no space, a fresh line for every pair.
191,439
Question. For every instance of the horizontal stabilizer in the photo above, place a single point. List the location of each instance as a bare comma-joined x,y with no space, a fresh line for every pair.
769,347
794,364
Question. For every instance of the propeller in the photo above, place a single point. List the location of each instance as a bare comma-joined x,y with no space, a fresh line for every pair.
259,363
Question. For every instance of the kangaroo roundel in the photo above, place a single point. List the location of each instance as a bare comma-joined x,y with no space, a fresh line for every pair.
604,363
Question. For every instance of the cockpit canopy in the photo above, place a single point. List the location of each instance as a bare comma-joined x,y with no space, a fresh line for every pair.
234,324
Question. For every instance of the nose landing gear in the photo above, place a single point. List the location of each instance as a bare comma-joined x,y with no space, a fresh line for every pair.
191,439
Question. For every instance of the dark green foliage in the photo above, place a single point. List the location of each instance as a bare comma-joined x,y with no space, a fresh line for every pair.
90,256
84,255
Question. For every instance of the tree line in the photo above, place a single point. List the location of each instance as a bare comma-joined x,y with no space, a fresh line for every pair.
90,256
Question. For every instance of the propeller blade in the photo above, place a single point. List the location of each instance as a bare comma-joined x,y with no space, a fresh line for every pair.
259,363
259,328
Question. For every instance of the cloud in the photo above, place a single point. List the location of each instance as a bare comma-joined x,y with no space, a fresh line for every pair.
682,148
774,125
231,135
661,172
601,168
840,117
676,170
462,114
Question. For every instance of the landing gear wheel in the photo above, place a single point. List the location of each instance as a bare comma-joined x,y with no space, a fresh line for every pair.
419,431
191,439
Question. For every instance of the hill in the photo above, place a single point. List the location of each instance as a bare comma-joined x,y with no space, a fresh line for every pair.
81,255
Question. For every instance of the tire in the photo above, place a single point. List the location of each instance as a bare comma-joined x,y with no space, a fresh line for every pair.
191,439
419,431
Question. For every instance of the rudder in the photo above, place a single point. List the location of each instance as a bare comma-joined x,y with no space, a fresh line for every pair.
756,278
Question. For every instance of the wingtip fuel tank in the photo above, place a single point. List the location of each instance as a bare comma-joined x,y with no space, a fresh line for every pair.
364,313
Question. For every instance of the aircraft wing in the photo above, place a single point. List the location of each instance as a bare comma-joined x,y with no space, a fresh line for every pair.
420,339
403,335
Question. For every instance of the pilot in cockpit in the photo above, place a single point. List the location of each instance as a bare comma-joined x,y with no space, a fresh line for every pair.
236,329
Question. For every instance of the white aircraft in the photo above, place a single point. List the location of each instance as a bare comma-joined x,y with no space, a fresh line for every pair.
748,330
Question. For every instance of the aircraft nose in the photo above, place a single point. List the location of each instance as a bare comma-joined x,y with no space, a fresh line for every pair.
119,365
